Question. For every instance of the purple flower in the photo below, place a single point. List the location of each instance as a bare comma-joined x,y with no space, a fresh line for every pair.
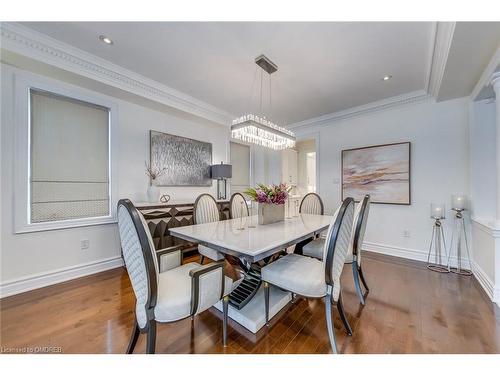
262,197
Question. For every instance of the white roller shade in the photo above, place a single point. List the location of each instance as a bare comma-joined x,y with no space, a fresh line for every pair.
69,174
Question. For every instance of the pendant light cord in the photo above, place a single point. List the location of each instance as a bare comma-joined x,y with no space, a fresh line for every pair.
270,97
261,75
250,99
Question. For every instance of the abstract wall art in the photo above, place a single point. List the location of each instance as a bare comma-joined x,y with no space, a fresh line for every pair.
382,171
186,162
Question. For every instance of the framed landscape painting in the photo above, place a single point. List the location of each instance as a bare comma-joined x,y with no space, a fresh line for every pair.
382,171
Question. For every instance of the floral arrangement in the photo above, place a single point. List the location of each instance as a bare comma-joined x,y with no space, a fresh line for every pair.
273,194
153,173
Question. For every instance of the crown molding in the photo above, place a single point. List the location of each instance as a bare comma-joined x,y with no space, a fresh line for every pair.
38,46
411,97
487,76
443,36
442,43
35,45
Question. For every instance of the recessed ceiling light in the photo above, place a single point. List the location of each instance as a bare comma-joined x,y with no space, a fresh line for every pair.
105,39
386,78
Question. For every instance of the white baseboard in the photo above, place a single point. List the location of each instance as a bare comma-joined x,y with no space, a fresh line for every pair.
400,252
406,253
16,286
484,281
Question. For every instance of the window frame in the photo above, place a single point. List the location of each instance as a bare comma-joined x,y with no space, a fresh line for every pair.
24,83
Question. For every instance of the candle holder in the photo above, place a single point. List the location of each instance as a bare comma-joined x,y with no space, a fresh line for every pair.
288,216
250,219
242,227
458,238
296,209
437,240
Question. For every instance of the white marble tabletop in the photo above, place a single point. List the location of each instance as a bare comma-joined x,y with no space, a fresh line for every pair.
257,243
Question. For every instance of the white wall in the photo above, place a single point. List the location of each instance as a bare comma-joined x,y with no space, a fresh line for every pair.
483,170
27,255
438,133
483,160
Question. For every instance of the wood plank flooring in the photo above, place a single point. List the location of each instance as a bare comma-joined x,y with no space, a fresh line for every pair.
408,310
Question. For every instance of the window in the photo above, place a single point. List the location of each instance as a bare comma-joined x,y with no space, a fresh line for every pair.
69,166
64,167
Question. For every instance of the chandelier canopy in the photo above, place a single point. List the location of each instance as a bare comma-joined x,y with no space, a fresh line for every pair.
257,129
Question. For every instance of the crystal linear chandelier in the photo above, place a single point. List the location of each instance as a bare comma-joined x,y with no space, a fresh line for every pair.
257,129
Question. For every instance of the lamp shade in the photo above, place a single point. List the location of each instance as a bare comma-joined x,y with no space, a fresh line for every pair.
221,171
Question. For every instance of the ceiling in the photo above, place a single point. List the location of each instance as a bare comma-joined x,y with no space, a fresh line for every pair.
472,47
323,67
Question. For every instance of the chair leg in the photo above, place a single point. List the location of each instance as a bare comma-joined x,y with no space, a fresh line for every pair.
329,322
202,258
133,338
266,300
362,277
355,276
340,307
151,340
225,308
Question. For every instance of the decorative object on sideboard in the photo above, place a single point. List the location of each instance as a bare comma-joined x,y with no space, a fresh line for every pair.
459,236
257,129
186,161
153,192
271,200
381,171
437,241
221,172
164,198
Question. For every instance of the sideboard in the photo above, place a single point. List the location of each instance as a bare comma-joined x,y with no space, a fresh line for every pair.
160,217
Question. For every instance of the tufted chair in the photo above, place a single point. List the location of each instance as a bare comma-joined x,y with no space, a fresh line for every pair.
238,206
175,293
311,204
206,211
315,248
313,278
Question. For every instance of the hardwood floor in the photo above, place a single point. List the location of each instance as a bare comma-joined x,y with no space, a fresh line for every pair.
408,310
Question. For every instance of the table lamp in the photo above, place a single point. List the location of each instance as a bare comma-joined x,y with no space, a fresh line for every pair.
221,172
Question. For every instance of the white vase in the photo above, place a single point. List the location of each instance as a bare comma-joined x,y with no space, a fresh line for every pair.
153,194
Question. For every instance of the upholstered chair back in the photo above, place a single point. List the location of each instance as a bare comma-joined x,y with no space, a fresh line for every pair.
311,204
359,226
238,206
205,210
337,245
140,262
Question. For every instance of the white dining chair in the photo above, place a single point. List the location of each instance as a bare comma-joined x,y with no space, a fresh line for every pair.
238,206
311,204
178,292
206,211
315,248
312,278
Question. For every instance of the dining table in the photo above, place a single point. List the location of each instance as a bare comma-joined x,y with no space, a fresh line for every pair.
249,245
